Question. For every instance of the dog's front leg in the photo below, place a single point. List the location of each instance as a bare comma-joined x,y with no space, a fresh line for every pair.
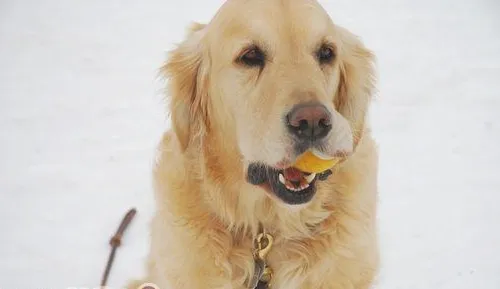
188,254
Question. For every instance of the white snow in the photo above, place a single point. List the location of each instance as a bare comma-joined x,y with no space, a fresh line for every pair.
81,112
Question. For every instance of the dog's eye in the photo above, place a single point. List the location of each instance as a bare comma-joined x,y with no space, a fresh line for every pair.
253,57
325,54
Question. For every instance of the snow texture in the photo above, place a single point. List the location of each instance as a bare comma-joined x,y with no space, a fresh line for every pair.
81,112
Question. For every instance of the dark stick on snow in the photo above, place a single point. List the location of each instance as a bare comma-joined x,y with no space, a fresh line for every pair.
116,241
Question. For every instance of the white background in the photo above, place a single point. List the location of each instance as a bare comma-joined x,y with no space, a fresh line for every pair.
81,111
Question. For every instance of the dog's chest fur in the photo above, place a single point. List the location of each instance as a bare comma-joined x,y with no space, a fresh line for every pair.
296,264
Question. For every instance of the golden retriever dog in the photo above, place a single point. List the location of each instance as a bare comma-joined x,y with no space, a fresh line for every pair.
260,84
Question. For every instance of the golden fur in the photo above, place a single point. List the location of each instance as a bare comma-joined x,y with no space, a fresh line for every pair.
223,117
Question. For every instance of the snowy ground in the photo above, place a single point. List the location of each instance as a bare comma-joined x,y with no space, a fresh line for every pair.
81,112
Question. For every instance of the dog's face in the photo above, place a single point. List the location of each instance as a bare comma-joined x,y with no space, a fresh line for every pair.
280,78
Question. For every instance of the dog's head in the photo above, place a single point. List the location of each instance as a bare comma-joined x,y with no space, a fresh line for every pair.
277,78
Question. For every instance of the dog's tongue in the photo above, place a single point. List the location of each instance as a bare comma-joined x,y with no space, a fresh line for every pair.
293,174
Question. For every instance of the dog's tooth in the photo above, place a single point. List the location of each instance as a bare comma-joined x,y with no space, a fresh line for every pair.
281,178
310,177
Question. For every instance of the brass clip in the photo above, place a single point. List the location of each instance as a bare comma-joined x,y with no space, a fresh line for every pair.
263,273
264,245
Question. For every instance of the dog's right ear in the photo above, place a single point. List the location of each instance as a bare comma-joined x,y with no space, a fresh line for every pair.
357,81
187,72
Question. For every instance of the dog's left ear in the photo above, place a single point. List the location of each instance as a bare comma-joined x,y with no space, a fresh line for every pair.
357,81
187,71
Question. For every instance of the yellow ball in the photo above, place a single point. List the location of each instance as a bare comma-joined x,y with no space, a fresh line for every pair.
310,163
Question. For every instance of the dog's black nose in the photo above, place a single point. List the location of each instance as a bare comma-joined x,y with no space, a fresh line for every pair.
311,121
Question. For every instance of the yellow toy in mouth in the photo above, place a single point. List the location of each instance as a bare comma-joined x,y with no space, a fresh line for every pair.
315,162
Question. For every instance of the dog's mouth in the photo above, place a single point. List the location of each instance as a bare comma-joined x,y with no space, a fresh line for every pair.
291,185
